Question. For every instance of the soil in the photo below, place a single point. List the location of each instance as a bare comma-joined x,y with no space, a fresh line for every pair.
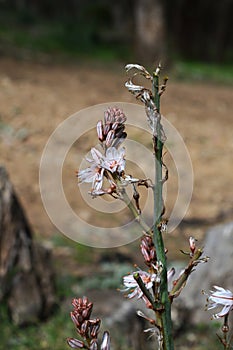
36,97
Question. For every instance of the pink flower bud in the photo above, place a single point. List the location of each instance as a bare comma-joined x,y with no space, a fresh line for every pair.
110,138
192,244
99,129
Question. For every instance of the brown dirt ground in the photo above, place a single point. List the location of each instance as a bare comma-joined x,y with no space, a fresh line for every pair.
36,97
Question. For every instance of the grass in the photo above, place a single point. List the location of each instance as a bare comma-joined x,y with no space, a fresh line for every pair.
200,71
29,36
82,254
49,335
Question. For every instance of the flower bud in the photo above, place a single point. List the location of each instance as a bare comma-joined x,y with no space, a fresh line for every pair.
105,345
192,244
110,138
99,128
75,343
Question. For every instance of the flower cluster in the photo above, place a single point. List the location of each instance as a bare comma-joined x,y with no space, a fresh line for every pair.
150,279
111,132
132,286
87,328
222,298
110,163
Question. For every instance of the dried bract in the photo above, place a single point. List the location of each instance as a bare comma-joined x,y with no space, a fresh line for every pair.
145,96
139,70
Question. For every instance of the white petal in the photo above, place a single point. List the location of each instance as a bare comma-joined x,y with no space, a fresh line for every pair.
97,156
111,153
122,152
224,311
87,175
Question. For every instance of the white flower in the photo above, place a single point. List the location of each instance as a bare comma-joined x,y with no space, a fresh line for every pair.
220,298
114,160
130,283
92,174
95,172
96,155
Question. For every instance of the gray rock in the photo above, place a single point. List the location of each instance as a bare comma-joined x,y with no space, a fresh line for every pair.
26,274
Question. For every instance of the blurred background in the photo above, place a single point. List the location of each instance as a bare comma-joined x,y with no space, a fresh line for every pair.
57,58
139,29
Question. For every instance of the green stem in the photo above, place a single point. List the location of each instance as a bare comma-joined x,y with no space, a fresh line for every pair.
145,291
138,218
166,321
134,212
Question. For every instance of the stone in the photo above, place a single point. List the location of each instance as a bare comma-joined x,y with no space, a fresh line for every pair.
26,274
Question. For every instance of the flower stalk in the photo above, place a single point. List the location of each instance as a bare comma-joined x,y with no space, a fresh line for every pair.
165,315
107,174
134,212
225,330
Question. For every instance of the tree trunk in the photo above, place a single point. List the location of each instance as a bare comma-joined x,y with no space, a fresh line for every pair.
149,31
26,277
